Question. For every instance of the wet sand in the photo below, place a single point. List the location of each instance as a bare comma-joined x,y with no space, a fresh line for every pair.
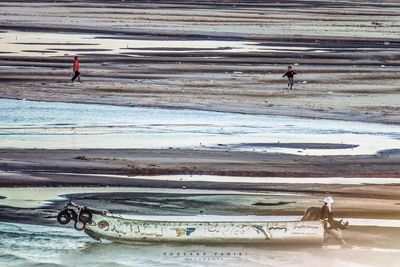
181,161
226,56
150,201
134,168
345,54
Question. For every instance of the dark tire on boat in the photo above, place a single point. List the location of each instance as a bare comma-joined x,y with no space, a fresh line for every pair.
63,217
72,214
85,216
79,226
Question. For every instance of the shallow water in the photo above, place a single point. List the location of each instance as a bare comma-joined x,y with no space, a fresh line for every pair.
252,180
30,245
64,44
151,203
32,124
33,197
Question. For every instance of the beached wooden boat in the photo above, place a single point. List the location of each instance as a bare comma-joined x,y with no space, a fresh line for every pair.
239,229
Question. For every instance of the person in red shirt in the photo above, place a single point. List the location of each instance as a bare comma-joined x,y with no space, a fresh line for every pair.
75,69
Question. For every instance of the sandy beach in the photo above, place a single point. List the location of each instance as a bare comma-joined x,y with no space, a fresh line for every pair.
169,161
183,110
225,57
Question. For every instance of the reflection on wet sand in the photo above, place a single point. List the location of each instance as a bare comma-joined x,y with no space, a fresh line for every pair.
206,56
64,44
64,125
35,197
184,54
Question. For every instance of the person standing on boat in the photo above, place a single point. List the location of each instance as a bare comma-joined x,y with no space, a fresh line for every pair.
332,227
75,69
290,75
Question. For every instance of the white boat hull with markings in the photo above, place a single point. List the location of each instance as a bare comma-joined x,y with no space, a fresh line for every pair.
241,229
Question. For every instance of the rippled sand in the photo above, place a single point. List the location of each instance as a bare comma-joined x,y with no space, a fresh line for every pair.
202,55
198,55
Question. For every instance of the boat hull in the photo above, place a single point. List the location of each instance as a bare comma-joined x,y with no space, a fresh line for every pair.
118,228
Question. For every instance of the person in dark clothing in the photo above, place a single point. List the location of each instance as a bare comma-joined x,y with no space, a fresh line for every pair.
290,74
75,69
332,227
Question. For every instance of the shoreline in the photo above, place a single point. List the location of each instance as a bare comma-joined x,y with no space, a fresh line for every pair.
383,192
189,161
347,71
293,113
158,201
195,118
